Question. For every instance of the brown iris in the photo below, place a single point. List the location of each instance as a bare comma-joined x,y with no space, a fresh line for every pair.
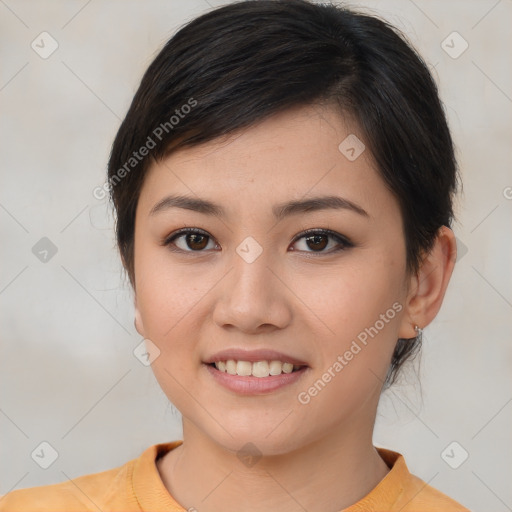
317,239
197,241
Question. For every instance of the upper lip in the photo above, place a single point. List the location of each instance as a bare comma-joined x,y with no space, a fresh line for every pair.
253,356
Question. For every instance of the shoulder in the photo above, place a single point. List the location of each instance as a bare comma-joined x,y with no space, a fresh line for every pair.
418,496
413,494
402,491
82,494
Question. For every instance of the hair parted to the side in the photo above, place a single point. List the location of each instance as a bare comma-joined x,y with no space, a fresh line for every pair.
239,64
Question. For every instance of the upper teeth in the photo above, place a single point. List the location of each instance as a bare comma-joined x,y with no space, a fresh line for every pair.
256,369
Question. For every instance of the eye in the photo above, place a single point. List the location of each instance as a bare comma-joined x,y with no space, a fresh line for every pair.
189,240
318,241
196,240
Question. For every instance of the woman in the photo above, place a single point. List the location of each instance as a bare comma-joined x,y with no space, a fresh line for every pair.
283,186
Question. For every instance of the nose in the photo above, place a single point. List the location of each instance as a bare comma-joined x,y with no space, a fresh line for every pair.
253,297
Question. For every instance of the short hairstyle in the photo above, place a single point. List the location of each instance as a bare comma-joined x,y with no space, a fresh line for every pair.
243,62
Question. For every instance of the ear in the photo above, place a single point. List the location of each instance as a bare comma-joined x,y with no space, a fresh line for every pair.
428,286
139,325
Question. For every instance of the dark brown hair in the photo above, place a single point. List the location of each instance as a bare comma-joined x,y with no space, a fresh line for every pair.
239,64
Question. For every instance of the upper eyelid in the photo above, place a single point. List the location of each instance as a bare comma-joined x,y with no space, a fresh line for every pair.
313,231
185,231
301,234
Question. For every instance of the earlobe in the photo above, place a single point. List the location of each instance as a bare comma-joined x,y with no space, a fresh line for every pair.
430,283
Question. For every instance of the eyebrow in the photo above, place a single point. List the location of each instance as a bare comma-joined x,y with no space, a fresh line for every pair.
280,211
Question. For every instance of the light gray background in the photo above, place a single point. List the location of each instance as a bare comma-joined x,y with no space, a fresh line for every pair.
68,373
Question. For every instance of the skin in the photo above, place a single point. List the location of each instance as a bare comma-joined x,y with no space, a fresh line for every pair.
317,456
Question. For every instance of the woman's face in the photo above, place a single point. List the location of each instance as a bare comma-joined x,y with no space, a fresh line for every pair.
252,287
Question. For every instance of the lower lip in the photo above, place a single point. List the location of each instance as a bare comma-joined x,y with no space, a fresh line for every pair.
250,385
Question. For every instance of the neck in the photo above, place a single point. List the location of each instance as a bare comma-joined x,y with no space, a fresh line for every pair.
330,474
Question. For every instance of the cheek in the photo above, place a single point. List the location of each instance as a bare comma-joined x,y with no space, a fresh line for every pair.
166,293
362,307
362,311
168,300
352,299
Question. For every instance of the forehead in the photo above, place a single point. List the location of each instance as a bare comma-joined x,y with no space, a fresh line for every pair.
305,151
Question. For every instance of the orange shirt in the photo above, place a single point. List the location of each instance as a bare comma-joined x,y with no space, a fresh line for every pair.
137,486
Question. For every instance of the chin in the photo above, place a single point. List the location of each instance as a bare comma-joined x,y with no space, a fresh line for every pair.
249,439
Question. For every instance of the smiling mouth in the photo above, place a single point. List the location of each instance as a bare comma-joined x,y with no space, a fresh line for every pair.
259,369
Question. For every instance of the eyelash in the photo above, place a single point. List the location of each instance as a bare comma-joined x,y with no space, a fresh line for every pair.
344,243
